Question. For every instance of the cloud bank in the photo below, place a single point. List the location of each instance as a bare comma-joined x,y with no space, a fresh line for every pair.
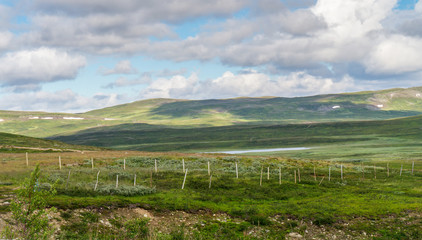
249,83
297,48
34,67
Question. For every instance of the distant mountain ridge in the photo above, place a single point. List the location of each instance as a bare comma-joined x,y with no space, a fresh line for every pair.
176,113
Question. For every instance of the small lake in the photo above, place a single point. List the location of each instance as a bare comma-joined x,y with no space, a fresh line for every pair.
263,150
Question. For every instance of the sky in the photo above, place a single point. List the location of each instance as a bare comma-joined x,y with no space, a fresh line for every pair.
78,55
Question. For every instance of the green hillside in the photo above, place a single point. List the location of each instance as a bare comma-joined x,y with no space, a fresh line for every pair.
383,104
18,143
366,138
172,113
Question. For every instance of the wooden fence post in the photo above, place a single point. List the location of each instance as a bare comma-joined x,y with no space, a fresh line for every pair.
209,169
184,180
279,175
156,165
124,163
268,173
329,174
134,180
260,179
210,181
298,174
237,173
150,180
117,181
60,163
183,164
321,181
92,163
96,183
27,160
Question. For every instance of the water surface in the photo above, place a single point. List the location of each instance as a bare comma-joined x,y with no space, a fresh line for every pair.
263,150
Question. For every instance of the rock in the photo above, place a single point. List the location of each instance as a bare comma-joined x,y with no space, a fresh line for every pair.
294,235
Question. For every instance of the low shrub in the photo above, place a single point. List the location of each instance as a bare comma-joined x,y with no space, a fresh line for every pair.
127,191
136,228
88,190
323,219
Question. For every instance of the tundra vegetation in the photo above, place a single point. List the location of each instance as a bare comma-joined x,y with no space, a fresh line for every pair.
318,203
359,179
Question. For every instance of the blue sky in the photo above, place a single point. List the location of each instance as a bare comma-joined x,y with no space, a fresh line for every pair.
77,55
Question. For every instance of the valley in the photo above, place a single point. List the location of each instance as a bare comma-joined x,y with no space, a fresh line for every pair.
350,168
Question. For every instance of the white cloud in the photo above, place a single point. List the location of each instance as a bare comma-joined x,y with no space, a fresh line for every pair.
5,14
329,39
147,10
122,67
33,67
169,72
108,27
333,32
418,6
353,18
5,39
250,83
395,55
60,101
95,33
175,87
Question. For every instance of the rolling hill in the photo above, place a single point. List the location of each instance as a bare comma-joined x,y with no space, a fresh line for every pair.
147,138
18,143
173,113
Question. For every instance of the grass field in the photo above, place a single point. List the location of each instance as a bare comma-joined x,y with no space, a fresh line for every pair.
364,204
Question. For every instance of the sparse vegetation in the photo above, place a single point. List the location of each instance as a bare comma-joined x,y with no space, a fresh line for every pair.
253,211
29,213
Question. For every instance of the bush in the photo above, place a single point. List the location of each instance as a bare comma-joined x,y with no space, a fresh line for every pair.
88,190
220,230
89,217
178,234
56,177
137,228
323,219
127,191
29,214
259,220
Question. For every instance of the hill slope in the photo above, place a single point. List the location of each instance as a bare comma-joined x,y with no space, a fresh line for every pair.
18,143
384,104
139,137
165,113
